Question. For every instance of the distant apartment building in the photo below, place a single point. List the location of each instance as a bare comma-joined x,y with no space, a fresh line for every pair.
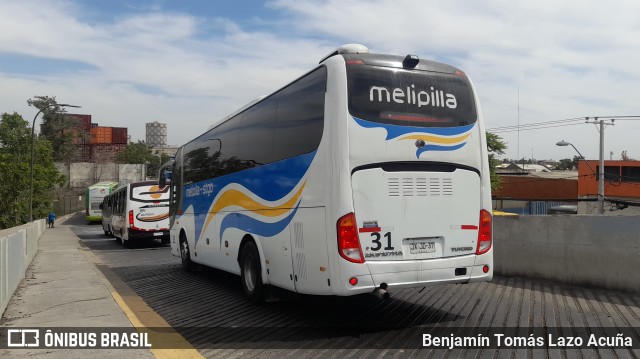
156,134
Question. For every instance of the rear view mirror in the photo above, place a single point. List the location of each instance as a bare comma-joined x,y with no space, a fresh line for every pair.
164,174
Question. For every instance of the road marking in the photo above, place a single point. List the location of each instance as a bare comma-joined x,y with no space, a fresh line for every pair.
142,317
170,338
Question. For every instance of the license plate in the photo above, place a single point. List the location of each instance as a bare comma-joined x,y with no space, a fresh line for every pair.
157,234
416,247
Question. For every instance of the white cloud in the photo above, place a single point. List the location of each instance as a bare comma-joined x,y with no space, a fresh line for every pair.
567,59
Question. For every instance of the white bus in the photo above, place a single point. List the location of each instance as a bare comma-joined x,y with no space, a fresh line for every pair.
93,197
367,174
137,211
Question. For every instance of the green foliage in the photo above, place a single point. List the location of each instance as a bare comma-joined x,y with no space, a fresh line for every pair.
495,145
15,175
567,164
142,153
57,128
135,153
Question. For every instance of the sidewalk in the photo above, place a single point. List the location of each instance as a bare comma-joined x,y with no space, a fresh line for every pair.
62,288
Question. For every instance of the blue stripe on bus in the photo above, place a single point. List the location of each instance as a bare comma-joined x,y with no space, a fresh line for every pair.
394,131
438,148
270,182
254,226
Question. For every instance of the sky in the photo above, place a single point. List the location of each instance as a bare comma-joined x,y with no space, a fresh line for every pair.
189,63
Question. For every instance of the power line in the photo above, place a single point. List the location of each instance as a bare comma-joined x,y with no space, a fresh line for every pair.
558,123
536,124
532,128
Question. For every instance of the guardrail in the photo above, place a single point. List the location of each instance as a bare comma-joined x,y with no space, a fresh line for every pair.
18,246
592,250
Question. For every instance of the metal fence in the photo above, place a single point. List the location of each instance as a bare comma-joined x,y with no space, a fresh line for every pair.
68,203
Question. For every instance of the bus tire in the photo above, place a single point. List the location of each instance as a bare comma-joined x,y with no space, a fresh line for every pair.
251,273
185,255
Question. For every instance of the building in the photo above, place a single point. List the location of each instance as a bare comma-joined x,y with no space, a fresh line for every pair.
512,168
535,192
621,181
156,134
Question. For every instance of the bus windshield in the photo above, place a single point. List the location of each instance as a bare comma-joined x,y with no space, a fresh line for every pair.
410,97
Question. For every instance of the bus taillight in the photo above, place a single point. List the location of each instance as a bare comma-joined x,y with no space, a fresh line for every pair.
485,235
130,218
348,241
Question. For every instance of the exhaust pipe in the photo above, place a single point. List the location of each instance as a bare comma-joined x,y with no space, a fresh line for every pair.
381,293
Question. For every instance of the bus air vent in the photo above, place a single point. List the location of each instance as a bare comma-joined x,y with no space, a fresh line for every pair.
419,187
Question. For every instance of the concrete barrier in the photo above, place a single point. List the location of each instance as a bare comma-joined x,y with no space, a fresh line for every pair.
597,251
18,246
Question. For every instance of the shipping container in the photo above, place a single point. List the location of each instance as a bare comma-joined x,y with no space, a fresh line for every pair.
101,135
83,121
119,135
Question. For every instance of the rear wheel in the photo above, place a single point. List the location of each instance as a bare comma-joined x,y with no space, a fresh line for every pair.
185,254
251,273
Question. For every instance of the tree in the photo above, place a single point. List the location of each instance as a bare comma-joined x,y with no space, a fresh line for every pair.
495,145
15,180
143,154
58,128
136,153
567,164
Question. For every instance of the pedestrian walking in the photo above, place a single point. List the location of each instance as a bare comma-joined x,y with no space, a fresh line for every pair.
51,219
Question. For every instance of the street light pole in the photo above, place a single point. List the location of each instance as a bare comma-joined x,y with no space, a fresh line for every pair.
600,173
33,124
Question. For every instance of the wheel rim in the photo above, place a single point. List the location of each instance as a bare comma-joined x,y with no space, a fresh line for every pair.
184,250
249,273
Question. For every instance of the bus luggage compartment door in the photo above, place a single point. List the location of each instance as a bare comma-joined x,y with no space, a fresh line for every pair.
416,215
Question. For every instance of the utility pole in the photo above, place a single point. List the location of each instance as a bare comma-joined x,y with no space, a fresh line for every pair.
601,172
601,126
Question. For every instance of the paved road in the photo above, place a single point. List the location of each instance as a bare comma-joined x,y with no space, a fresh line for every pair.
208,309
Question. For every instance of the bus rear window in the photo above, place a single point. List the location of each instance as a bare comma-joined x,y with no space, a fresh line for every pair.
410,97
149,193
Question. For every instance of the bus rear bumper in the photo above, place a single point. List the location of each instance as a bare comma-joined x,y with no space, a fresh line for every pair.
140,235
396,275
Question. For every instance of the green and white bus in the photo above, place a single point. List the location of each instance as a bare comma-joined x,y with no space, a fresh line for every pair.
93,199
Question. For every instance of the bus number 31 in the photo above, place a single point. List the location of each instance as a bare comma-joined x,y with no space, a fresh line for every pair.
376,240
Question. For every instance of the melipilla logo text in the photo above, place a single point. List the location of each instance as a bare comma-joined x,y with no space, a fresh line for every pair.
435,98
